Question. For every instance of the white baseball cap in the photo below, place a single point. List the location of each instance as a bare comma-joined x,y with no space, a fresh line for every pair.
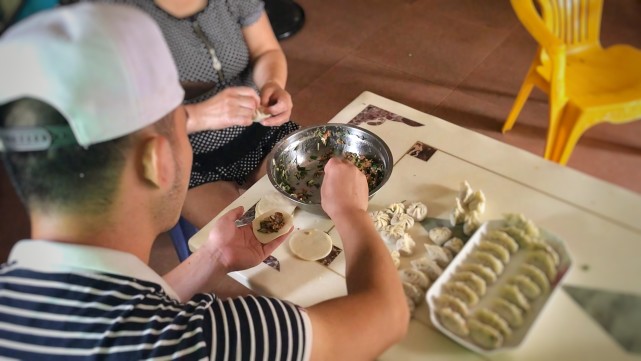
106,68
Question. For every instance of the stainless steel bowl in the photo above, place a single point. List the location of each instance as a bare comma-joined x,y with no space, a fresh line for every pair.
295,165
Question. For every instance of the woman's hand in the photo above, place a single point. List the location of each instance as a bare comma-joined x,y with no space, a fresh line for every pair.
277,102
231,106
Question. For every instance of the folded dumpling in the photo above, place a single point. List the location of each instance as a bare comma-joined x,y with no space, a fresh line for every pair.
417,210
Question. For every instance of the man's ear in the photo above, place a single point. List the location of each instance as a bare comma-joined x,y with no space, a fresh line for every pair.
157,162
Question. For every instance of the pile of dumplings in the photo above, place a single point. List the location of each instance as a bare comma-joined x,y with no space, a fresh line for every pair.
470,205
392,223
458,308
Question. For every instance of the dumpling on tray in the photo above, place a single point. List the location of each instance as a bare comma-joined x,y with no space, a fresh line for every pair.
543,261
461,291
496,250
448,301
525,284
476,283
508,311
536,275
503,239
513,294
484,335
488,260
478,269
452,321
493,319
519,221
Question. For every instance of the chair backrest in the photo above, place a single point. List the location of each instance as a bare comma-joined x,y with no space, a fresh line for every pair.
576,24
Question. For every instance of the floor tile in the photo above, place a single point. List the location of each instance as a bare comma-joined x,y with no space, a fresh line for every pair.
319,102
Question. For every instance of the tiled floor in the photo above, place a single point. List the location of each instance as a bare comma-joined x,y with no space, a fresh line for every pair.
461,60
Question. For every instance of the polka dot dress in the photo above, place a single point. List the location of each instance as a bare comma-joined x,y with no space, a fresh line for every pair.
229,154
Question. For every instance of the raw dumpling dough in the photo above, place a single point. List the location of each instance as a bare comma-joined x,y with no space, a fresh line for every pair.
396,258
439,235
476,202
412,292
260,114
381,219
395,208
405,245
402,220
390,234
264,235
415,277
454,244
438,254
417,210
311,244
427,266
274,200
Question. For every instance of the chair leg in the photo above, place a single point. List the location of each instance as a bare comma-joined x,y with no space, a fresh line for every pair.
570,128
521,98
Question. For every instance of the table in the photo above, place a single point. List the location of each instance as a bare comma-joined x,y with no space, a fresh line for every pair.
599,222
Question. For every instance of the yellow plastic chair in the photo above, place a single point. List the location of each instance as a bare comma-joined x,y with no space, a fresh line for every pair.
586,83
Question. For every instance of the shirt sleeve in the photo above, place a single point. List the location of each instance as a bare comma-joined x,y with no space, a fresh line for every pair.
246,11
249,328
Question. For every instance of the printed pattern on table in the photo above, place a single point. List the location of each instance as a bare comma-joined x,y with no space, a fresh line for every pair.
372,115
330,257
421,151
274,263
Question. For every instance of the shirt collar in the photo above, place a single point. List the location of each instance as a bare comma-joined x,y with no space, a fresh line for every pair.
49,256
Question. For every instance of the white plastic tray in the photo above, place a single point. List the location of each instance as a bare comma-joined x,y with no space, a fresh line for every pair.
519,334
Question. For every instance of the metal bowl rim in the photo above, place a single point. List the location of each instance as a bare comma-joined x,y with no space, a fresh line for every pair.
294,135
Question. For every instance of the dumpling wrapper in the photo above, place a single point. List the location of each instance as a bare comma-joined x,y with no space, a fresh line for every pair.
274,200
260,114
310,244
265,238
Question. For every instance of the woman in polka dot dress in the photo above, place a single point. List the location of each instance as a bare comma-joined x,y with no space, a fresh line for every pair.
230,64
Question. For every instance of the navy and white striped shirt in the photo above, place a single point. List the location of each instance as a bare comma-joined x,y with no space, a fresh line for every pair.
62,301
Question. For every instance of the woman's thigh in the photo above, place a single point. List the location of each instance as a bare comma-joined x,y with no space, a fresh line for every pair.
204,202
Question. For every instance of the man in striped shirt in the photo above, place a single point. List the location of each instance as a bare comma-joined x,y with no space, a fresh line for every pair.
93,135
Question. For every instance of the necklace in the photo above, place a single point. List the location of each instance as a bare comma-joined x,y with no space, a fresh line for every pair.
218,67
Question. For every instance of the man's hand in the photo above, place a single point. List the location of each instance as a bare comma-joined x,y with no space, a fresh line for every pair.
344,189
277,102
237,248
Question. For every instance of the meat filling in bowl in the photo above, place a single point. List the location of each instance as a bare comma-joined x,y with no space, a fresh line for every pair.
272,224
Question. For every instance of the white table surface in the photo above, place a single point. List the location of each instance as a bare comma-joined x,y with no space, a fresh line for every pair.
600,223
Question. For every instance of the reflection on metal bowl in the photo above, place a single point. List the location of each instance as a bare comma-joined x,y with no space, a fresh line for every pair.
295,165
